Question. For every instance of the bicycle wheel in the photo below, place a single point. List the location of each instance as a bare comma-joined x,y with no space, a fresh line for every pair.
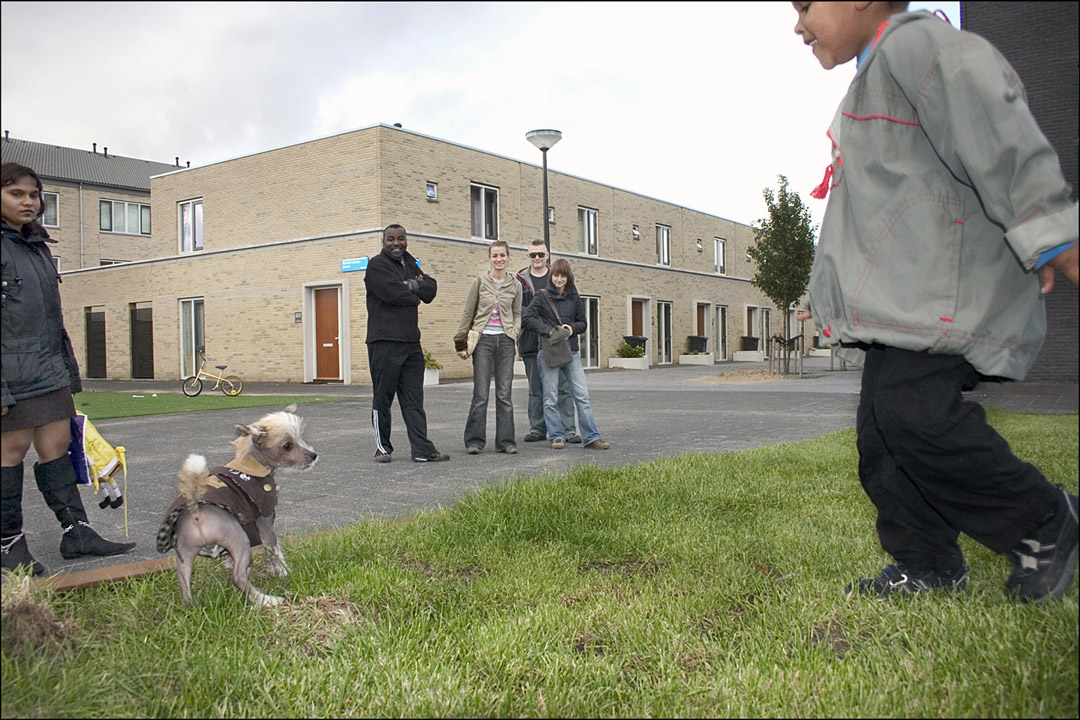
232,385
192,386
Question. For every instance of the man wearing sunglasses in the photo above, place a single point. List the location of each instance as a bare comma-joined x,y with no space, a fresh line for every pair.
533,279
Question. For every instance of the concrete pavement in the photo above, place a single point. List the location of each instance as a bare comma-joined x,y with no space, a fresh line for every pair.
663,411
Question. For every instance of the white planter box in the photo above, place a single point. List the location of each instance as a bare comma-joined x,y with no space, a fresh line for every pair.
519,368
748,356
819,352
629,363
705,359
431,376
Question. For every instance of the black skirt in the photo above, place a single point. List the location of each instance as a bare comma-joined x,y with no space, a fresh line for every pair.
37,411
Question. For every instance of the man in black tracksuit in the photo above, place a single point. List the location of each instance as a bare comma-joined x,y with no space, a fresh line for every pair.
395,288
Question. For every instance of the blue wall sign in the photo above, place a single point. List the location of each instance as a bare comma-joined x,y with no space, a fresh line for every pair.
353,264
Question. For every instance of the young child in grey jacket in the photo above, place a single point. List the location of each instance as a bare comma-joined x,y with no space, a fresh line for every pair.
947,216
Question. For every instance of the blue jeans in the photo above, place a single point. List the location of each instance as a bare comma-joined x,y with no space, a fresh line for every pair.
536,400
493,358
575,378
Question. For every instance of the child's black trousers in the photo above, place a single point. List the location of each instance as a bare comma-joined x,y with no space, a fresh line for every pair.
932,465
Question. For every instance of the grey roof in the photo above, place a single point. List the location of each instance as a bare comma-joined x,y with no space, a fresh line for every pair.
52,162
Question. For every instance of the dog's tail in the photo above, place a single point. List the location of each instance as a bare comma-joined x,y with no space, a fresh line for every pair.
193,476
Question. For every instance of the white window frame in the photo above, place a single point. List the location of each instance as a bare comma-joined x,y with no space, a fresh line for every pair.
663,245
481,215
123,209
192,334
56,209
190,242
432,192
720,256
588,230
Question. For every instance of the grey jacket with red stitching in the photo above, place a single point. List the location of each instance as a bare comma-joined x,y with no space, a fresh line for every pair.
944,194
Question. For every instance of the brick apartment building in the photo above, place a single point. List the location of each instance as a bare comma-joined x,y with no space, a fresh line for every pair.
97,204
260,260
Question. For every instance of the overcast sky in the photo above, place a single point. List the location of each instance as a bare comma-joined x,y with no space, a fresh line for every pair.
698,104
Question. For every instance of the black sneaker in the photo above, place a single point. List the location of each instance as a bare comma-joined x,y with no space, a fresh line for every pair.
433,457
1045,563
898,579
573,438
509,449
534,436
382,457
472,449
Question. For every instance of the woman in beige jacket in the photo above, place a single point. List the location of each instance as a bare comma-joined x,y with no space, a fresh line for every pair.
493,311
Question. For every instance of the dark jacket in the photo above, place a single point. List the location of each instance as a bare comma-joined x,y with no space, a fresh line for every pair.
391,302
37,356
528,341
247,497
539,318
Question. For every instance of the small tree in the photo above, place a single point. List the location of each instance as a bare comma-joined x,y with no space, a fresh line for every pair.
784,251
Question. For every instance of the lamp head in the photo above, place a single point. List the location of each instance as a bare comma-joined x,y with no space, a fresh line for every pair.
544,140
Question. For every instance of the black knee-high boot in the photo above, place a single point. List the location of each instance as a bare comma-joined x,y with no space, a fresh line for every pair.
56,480
12,541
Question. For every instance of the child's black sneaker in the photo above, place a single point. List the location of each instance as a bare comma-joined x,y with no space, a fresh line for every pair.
899,579
1045,563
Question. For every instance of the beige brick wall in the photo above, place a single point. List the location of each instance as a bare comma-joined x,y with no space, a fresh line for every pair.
80,242
313,189
279,220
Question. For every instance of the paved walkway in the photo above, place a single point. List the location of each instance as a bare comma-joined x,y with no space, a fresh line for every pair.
643,414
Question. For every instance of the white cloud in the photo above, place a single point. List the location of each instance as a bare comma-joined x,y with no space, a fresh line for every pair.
700,104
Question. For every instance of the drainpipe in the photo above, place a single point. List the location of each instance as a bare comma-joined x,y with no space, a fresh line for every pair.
82,253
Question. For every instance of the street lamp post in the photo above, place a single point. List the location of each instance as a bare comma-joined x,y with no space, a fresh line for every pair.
545,140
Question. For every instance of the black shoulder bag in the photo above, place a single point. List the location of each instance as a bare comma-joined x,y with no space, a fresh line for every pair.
556,345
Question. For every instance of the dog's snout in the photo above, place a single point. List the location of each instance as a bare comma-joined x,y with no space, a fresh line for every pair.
312,455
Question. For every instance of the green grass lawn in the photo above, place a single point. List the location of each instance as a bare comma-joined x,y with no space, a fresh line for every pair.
102,405
705,585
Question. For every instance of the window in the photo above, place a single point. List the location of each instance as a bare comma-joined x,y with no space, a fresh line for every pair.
433,192
589,341
663,330
586,221
721,332
719,256
104,261
192,342
191,225
663,245
51,218
485,212
123,217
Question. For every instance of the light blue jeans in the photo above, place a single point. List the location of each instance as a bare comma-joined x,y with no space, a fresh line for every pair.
536,400
575,378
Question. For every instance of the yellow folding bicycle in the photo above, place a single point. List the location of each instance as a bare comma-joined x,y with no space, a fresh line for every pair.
231,385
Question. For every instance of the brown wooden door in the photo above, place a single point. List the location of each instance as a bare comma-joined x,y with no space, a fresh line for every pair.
327,335
636,325
701,320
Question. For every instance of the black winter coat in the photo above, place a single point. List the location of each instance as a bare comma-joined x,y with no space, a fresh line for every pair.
391,304
36,356
539,317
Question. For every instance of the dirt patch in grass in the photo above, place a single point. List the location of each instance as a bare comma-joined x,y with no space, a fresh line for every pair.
746,376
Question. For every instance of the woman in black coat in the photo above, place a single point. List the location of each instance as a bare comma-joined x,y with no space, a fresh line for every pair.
547,312
39,376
